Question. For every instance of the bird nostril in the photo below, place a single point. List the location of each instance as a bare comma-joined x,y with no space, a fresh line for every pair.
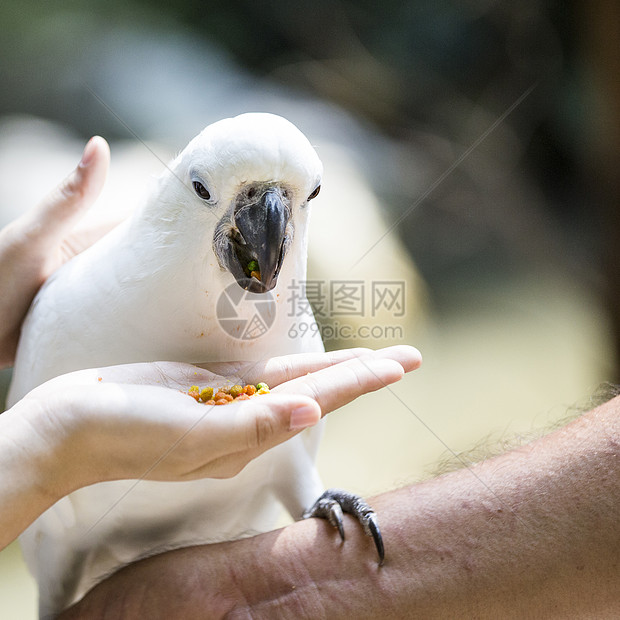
236,236
251,192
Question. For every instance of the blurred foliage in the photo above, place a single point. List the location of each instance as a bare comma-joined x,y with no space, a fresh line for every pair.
433,76
400,65
396,61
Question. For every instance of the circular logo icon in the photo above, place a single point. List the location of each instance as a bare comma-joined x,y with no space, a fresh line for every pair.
244,315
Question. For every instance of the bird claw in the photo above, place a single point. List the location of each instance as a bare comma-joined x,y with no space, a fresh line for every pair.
334,502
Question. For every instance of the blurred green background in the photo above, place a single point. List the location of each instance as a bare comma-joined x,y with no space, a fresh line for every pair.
504,232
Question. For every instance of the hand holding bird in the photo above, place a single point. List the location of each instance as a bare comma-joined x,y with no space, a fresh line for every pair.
36,244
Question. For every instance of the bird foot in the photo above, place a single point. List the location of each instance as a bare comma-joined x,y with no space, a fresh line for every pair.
334,502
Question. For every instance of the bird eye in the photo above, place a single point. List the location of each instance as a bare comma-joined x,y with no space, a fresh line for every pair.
201,190
315,193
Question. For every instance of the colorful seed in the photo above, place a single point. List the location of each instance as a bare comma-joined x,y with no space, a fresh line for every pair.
206,394
235,390
225,395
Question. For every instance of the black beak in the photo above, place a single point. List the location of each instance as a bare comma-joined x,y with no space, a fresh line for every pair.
259,247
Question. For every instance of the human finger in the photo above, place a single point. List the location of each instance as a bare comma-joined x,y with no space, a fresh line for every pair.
281,369
278,369
338,385
59,211
181,438
239,432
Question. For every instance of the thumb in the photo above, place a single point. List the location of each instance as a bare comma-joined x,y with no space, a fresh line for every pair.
59,211
266,421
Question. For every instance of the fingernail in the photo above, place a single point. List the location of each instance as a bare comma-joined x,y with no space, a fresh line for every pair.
302,417
88,153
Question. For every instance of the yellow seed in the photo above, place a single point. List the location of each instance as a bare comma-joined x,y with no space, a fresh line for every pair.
206,394
235,390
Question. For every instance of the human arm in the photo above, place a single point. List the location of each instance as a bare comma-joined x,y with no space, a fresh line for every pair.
532,533
36,244
134,421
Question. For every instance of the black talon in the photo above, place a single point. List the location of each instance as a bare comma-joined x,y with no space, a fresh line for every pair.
334,502
335,517
375,532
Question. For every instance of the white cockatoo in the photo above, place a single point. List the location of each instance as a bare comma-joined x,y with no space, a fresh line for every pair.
174,282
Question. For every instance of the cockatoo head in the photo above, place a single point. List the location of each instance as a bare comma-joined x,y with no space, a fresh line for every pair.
253,176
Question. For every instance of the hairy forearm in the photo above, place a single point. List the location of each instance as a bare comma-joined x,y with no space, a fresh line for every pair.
532,533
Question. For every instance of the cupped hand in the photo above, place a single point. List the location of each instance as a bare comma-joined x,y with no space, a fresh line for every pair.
137,420
36,244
